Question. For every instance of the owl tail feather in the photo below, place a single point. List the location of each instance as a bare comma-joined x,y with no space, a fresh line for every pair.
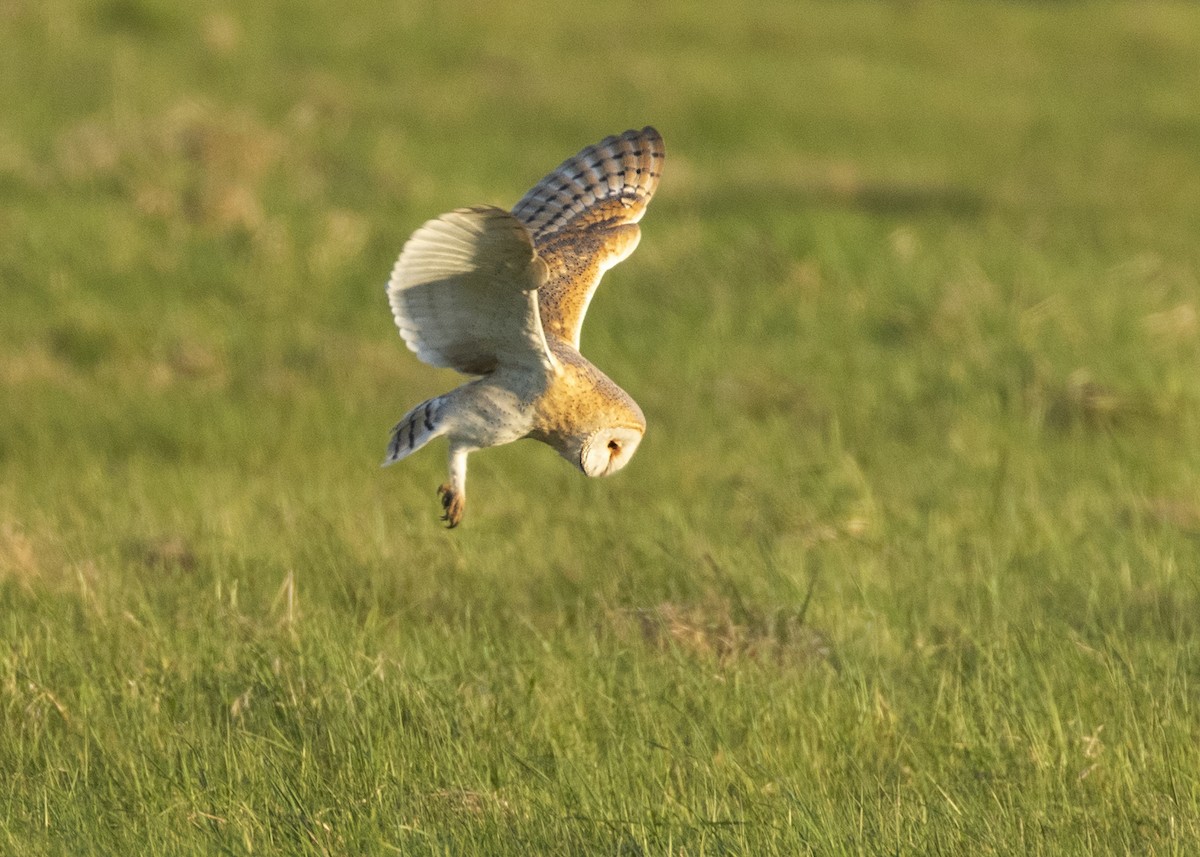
415,429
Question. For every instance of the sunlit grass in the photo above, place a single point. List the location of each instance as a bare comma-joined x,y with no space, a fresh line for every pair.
906,563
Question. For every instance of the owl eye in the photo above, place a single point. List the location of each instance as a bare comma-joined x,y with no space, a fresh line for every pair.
614,447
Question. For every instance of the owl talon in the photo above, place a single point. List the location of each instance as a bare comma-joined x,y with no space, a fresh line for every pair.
453,505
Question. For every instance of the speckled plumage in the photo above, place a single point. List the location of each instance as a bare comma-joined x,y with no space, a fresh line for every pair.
503,295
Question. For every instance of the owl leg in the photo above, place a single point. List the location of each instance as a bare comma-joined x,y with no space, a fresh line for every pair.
454,493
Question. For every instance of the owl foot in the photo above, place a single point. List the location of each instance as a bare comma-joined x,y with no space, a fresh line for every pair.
453,505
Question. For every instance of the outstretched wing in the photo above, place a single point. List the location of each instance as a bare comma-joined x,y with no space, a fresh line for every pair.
464,293
583,220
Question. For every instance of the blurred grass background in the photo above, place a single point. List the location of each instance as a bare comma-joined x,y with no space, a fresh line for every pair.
907,562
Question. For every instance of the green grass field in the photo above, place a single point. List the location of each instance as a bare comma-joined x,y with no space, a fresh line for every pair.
908,563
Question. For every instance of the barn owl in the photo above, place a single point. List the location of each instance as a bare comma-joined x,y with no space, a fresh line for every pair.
501,296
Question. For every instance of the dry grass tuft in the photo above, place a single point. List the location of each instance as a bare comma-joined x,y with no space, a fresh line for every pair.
169,553
343,237
20,557
37,560
194,164
1081,400
725,632
470,802
1176,325
1179,513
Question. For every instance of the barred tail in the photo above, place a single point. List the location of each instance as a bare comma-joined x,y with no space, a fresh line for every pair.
415,429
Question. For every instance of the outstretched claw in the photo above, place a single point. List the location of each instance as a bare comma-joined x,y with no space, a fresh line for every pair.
453,505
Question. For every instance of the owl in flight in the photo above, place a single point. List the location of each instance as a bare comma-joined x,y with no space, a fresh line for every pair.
501,295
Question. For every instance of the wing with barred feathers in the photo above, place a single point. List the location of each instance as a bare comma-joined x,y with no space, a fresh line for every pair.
583,218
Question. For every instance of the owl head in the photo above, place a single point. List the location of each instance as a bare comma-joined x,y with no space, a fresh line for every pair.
610,438
590,421
604,444
608,449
